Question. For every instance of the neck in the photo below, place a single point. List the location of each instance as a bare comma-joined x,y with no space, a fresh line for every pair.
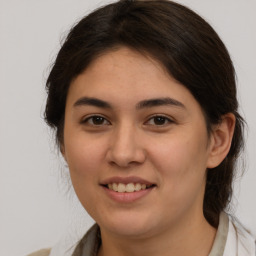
194,237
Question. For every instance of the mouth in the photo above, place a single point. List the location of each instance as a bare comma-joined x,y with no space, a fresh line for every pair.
128,188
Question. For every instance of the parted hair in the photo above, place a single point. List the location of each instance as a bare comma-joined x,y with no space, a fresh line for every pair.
184,44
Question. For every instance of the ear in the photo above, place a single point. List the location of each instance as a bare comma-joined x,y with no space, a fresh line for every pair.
221,139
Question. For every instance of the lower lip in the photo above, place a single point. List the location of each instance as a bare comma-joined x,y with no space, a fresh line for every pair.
127,197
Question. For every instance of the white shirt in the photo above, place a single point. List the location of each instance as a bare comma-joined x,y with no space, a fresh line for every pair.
239,241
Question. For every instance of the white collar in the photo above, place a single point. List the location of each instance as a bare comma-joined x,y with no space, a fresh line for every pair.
239,241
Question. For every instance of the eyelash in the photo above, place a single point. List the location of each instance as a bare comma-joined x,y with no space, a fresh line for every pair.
166,120
90,118
103,121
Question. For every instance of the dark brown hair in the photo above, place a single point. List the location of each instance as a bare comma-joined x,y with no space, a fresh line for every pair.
184,43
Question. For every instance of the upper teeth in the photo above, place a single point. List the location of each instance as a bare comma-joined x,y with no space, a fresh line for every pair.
130,187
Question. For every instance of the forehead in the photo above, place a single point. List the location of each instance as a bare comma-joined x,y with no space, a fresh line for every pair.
133,62
127,76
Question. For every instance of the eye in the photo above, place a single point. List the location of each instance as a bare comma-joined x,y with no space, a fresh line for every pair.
96,121
159,120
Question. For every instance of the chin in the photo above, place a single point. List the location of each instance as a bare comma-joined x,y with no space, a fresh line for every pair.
130,226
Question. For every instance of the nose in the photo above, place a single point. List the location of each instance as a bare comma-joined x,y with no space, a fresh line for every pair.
125,149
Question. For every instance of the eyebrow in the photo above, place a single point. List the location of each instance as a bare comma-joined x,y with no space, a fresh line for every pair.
159,102
141,105
92,102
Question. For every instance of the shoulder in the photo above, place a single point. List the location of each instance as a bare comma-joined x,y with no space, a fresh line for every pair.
43,252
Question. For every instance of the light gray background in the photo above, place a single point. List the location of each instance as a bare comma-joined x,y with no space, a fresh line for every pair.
36,208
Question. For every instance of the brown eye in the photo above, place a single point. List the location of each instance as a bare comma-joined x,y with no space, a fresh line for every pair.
96,120
159,121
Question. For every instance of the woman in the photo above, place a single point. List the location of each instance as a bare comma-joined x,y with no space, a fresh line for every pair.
142,97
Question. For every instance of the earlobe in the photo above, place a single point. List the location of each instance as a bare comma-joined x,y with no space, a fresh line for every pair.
62,150
221,139
63,153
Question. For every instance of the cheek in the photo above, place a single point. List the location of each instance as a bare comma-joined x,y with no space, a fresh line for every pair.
178,155
84,157
181,164
182,175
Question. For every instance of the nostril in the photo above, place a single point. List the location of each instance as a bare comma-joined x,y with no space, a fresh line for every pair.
125,155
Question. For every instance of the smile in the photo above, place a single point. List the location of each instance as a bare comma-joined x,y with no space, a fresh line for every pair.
128,188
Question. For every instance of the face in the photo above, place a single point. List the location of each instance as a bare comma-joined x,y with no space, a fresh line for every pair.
136,144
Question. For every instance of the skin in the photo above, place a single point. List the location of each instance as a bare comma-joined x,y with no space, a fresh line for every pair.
172,152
